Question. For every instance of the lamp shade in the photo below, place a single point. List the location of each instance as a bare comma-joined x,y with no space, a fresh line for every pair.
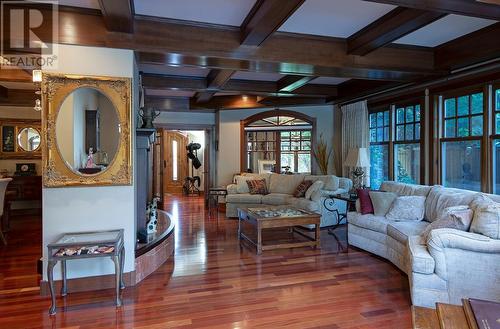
357,157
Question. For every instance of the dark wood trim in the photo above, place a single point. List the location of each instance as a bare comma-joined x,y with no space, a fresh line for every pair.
265,18
472,48
19,97
4,92
390,27
118,15
458,7
215,81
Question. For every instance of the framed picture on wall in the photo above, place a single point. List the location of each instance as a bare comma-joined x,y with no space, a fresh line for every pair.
8,139
266,166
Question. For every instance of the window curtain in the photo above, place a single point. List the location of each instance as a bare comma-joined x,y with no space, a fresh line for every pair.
355,133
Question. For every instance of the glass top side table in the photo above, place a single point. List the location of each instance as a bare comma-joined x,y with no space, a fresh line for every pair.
86,245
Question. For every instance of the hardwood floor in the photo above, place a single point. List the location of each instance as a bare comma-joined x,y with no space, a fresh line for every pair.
215,283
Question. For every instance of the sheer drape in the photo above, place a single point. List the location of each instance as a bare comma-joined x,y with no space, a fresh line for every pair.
355,133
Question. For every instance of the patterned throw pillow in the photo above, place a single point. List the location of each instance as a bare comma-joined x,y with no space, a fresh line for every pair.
300,191
407,207
257,186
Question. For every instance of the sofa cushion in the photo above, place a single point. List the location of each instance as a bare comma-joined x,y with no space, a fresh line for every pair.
300,190
276,199
400,231
365,203
265,176
244,198
407,207
305,204
420,260
369,221
331,182
257,186
315,187
405,189
285,184
457,217
440,198
382,202
486,217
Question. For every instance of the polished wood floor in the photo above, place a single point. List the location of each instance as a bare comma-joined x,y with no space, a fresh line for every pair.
213,282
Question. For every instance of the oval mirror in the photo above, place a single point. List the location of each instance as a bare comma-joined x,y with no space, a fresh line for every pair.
28,139
87,131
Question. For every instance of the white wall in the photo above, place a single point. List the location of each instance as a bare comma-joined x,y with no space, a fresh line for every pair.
228,162
185,118
77,209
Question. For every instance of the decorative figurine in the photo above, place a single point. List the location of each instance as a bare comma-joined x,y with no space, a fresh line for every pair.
90,159
152,215
148,114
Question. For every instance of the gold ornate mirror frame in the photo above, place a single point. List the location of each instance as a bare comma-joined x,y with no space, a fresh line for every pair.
11,149
55,89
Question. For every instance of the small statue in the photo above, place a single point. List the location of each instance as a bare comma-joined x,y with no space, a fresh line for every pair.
152,215
90,159
147,115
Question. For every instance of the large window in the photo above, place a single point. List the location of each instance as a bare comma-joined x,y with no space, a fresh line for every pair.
379,147
277,141
496,141
296,150
462,131
407,144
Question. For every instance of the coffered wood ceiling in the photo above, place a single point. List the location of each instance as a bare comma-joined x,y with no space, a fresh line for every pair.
206,55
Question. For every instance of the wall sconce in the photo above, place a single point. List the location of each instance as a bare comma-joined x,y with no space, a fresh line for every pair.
37,76
37,79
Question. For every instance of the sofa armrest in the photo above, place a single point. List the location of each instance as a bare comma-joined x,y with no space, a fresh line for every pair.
232,189
421,260
441,240
345,183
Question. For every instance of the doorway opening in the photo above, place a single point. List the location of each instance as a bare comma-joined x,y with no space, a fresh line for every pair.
182,164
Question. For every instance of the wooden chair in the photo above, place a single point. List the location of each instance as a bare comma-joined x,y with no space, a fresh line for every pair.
3,187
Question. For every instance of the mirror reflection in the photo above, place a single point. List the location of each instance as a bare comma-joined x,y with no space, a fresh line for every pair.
28,139
87,131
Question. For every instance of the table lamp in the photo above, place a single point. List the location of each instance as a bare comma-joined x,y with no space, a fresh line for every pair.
357,158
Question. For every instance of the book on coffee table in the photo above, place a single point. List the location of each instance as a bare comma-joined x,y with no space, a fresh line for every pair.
487,313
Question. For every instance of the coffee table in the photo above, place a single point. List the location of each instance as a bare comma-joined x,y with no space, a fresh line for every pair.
268,217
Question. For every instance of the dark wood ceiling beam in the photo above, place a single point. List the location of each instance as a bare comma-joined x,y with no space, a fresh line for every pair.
358,88
458,7
179,43
204,96
216,80
265,18
118,15
390,27
291,82
172,104
250,102
19,97
473,48
266,88
4,92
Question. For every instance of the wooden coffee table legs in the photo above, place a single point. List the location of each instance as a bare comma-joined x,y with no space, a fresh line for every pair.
277,223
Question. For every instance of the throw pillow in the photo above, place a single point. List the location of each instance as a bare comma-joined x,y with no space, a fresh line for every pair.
315,187
301,189
458,217
408,207
257,186
365,203
382,201
241,184
486,219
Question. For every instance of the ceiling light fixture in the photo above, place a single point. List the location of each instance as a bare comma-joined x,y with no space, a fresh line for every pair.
37,80
244,97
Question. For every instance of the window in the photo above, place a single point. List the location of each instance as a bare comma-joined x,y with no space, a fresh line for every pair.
496,142
407,144
462,130
379,147
174,161
282,137
296,150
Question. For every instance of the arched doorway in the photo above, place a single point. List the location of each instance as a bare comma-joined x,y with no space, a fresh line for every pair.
277,141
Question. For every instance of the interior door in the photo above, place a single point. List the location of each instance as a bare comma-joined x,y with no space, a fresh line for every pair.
175,168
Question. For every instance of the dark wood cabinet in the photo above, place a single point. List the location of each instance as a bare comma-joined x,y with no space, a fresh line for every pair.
21,188
144,172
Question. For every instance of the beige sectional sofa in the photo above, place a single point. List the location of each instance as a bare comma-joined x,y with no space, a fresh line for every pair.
281,189
450,265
